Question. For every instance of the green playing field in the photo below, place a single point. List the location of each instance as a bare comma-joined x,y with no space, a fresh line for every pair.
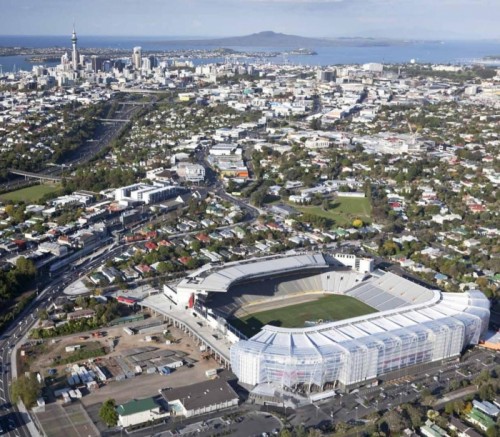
326,308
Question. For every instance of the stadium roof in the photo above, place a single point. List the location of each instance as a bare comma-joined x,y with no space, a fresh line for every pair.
216,278
432,309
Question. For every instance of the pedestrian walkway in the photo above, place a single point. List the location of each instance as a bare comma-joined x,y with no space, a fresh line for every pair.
20,406
196,327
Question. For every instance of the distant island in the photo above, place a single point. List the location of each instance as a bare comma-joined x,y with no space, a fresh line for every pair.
281,40
302,52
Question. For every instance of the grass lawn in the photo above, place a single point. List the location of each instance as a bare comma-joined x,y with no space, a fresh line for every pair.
326,308
30,194
342,210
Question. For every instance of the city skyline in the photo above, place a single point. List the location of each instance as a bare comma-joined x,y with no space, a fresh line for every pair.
449,19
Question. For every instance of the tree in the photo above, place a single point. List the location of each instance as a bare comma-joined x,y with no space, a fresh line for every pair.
487,392
108,413
389,248
357,223
27,389
395,421
432,415
25,269
257,198
315,124
415,413
493,431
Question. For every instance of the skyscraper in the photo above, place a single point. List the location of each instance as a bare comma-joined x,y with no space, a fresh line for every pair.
137,58
74,54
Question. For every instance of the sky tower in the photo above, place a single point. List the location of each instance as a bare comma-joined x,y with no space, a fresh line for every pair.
74,56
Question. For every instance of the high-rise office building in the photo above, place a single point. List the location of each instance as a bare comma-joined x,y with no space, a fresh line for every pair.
137,58
97,63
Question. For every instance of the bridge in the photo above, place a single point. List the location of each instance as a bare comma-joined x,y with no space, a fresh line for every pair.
140,91
38,176
113,120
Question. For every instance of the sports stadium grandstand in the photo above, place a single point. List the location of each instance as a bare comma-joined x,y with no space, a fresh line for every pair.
222,278
414,325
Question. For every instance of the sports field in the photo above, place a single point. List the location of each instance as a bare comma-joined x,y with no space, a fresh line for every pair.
325,308
342,210
30,194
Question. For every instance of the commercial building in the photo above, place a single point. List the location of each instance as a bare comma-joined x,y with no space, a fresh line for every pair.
146,193
137,58
202,398
191,172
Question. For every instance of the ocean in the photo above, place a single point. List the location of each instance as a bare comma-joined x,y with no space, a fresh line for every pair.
445,52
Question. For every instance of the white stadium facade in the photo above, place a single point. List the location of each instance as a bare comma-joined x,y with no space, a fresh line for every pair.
414,325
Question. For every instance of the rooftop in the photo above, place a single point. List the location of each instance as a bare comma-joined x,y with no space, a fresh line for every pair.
202,394
136,406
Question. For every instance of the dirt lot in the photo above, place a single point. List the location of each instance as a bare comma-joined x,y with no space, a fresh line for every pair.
118,341
144,385
115,340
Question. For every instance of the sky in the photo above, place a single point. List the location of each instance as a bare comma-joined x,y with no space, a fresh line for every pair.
418,19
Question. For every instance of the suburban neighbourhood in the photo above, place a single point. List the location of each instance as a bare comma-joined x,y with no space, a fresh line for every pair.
150,206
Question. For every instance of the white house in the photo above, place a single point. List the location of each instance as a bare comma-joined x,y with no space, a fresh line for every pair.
139,411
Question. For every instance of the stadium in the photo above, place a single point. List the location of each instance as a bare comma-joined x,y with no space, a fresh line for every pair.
386,323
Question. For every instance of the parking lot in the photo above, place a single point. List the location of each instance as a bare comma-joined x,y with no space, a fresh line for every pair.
252,424
359,404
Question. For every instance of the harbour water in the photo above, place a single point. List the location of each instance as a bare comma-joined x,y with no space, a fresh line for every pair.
444,52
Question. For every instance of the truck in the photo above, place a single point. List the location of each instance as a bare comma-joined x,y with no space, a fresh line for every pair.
211,373
128,331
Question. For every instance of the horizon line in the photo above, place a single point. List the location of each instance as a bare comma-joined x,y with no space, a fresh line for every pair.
493,39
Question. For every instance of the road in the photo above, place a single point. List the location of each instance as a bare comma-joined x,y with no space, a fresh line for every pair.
104,135
12,421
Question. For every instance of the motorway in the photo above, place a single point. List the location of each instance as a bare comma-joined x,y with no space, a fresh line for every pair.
13,422
105,134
